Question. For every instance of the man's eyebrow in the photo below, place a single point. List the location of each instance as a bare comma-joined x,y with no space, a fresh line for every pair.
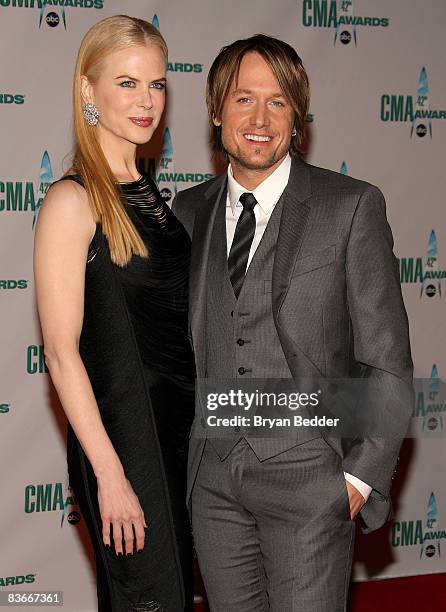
248,91
239,91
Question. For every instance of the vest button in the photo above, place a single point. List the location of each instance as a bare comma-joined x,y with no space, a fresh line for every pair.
240,342
241,371
237,428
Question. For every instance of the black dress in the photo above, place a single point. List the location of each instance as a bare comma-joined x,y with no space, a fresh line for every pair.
135,349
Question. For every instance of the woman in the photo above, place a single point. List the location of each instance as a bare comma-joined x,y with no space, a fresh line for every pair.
111,267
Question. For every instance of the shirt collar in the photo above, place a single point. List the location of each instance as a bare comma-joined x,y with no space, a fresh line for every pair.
267,193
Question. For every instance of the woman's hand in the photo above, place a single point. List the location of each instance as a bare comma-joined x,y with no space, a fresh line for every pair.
120,508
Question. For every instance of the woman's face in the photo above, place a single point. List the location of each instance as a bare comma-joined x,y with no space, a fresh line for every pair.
129,93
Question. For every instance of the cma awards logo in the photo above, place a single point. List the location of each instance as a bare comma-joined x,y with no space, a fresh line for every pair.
423,533
164,172
52,12
415,110
45,180
428,273
52,19
51,498
23,196
186,67
339,15
429,407
166,177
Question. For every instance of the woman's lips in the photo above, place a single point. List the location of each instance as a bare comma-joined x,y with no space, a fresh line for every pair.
144,122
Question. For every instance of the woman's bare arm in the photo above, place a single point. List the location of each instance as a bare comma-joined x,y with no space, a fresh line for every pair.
64,230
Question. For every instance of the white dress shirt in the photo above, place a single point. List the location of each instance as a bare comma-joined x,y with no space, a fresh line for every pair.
267,195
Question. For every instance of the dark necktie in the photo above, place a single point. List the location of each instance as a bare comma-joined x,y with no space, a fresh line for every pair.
241,245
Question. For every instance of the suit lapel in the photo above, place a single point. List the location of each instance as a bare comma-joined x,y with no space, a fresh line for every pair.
293,222
201,240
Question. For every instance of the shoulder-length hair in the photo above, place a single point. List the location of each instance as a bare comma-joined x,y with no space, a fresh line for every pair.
104,38
285,64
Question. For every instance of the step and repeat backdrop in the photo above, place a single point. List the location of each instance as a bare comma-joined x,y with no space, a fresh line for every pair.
378,113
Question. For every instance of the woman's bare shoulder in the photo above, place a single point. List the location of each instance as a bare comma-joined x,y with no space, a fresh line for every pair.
66,206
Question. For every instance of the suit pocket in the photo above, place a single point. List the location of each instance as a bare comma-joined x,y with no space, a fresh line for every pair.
317,260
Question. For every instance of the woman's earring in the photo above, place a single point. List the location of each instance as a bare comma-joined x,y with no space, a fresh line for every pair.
91,114
294,132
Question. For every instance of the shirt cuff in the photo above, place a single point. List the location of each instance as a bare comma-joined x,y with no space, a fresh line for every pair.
362,487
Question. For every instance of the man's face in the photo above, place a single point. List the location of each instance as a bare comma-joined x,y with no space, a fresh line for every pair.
256,120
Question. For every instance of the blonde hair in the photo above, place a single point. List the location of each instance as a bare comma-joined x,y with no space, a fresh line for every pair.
286,66
104,38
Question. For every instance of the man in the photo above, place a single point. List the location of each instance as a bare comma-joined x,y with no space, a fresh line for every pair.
292,276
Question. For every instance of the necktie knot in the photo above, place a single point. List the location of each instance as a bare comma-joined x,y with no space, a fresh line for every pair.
248,201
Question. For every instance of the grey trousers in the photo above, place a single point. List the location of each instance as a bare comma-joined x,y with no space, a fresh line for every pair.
274,535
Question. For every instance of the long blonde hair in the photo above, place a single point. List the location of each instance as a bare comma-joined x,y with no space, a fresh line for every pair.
104,38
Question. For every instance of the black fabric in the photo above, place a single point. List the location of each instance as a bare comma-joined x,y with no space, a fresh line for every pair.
135,349
241,244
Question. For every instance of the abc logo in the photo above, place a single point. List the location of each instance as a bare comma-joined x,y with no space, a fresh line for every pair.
430,291
421,130
345,37
430,550
74,517
166,194
432,423
52,19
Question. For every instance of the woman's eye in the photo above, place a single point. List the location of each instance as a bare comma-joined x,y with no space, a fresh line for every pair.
158,85
127,84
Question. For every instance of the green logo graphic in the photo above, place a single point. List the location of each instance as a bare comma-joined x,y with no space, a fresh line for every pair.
5,408
18,196
429,408
15,580
12,98
426,273
22,196
50,498
413,109
424,533
52,12
184,67
35,360
13,284
339,16
187,67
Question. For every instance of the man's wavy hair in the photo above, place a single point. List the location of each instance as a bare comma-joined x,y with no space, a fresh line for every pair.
285,64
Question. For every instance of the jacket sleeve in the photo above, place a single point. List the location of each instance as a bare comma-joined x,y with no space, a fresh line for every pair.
380,338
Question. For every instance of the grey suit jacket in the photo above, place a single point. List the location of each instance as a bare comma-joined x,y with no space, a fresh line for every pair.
352,324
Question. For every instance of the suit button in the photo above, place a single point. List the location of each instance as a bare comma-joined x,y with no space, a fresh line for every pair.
240,342
241,371
237,428
203,423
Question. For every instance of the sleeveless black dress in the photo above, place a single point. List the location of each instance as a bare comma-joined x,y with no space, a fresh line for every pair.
135,349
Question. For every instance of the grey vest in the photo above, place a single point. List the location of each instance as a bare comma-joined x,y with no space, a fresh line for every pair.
237,331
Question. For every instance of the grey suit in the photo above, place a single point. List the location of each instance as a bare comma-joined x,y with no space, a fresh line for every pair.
329,305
